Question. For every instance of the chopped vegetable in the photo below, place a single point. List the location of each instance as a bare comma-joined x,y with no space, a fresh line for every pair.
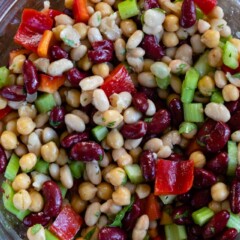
45,102
12,168
80,11
45,43
77,169
176,232
193,112
202,215
4,73
4,112
128,9
187,127
153,210
234,221
134,173
207,5
230,55
99,133
202,65
42,166
232,158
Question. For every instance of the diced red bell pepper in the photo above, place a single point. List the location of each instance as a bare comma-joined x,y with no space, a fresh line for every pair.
80,11
50,84
4,112
173,177
52,13
67,224
32,27
118,81
153,208
226,69
206,5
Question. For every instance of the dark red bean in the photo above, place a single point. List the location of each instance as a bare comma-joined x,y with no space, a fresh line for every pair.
213,135
147,163
194,232
68,12
185,197
53,198
3,160
140,102
87,152
182,215
73,138
232,106
134,130
176,110
57,53
216,224
36,218
56,117
176,157
188,14
151,93
153,49
14,93
148,4
203,178
102,51
237,173
229,234
74,76
160,122
30,77
234,122
112,233
219,163
201,198
234,197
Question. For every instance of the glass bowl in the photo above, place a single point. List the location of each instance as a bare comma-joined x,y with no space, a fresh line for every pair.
10,15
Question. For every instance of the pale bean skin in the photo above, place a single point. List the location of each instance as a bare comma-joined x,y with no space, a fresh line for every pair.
95,19
217,112
219,192
178,66
86,98
197,46
236,136
34,144
63,19
78,53
82,115
171,138
153,145
147,79
22,200
184,53
74,123
40,235
220,79
94,172
135,39
92,214
91,83
130,144
143,190
141,227
203,26
131,115
120,49
110,208
94,35
164,152
104,8
54,171
66,177
115,139
70,37
58,67
100,100
121,196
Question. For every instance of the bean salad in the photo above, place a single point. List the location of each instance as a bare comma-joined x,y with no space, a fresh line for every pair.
121,120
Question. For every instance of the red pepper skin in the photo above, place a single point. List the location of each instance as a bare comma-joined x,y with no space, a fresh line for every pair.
118,81
226,69
32,27
173,177
153,208
52,13
4,112
67,224
206,5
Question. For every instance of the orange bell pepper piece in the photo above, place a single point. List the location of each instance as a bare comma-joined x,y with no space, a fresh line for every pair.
80,11
50,84
45,43
153,207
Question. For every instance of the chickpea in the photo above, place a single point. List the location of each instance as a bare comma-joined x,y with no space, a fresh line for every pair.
82,29
143,190
215,57
87,191
171,23
25,125
9,140
198,158
124,160
206,85
115,139
28,161
37,201
121,196
211,38
12,126
101,69
104,8
104,191
21,181
219,192
170,39
49,152
230,93
78,204
128,27
117,176
215,206
22,200
73,98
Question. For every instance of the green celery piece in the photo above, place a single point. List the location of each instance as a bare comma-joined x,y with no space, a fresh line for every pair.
187,127
225,39
199,13
230,55
45,102
8,193
62,189
202,215
232,158
189,85
217,97
119,217
134,173
234,221
50,236
163,83
128,9
202,65
146,237
176,232
193,112
77,169
167,199
99,133
4,73
12,168
42,166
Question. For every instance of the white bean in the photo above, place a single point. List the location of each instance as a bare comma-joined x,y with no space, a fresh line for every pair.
197,45
86,98
63,19
147,79
130,144
42,64
66,177
151,108
78,53
203,26
120,49
217,112
74,123
94,35
131,115
94,172
70,37
91,83
135,39
58,67
54,171
153,17
184,53
95,19
171,138
100,100
92,214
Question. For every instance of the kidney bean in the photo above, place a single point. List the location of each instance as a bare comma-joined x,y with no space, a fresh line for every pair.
140,102
151,93
36,218
135,130
216,224
185,197
148,4
188,14
73,138
219,163
112,233
57,53
56,117
153,49
68,12
3,160
229,234
87,151
203,178
234,197
74,76
182,215
194,232
176,157
237,173
160,122
201,198
232,106
30,77
148,165
102,51
213,135
234,122
176,110
53,198
14,93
